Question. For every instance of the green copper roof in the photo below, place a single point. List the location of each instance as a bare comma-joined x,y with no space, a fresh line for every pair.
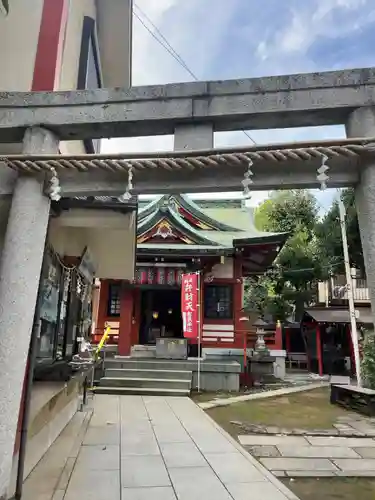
228,227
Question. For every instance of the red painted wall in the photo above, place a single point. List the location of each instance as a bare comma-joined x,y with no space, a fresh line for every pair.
50,43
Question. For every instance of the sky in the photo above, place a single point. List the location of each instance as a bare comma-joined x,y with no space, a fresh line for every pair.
228,39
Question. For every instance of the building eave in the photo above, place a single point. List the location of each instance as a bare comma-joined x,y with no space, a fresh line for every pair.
274,238
92,203
184,250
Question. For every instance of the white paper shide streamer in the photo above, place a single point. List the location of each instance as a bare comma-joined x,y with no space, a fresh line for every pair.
247,180
127,195
322,176
54,188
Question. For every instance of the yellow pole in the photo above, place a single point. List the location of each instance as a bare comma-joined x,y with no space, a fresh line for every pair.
102,341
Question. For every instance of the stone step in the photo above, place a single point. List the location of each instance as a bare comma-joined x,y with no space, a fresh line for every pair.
141,391
142,351
151,383
144,364
146,373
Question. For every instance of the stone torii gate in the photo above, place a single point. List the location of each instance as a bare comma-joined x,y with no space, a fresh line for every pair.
192,112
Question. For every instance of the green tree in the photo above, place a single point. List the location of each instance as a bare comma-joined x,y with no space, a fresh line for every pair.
286,211
299,265
328,233
368,363
260,297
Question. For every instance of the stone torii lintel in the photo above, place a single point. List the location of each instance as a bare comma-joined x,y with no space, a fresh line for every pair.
299,100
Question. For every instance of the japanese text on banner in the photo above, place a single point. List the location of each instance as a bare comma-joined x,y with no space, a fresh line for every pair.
189,305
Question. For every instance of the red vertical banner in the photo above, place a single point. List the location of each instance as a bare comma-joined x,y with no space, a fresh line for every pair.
189,305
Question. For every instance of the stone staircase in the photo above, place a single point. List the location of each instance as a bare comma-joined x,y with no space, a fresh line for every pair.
145,377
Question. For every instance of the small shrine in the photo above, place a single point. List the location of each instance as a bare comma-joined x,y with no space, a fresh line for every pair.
175,236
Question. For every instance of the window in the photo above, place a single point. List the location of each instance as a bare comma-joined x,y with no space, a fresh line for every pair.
89,72
218,302
114,293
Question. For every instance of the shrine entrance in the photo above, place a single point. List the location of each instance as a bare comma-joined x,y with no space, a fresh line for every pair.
160,314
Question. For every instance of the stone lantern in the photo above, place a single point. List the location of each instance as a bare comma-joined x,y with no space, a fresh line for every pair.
260,345
261,363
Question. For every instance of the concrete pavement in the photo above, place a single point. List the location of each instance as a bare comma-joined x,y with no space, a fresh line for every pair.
164,448
313,456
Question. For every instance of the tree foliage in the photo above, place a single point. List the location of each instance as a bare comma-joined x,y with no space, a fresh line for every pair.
368,363
302,261
328,233
261,298
286,211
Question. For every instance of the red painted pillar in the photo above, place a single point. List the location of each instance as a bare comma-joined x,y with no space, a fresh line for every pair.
319,350
278,336
237,302
102,310
136,319
126,313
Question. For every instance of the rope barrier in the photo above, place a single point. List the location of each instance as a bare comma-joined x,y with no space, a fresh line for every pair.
178,163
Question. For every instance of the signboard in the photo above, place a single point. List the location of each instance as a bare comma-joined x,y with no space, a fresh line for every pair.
189,305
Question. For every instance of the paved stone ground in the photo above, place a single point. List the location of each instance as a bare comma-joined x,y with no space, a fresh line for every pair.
314,456
350,425
139,448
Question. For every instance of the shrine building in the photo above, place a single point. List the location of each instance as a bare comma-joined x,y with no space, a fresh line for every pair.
176,235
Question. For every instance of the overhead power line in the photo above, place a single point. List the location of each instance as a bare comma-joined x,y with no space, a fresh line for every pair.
169,48
166,46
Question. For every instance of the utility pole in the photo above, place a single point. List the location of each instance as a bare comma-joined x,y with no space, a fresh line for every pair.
349,286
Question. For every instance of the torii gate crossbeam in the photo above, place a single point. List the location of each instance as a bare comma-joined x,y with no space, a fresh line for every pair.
300,100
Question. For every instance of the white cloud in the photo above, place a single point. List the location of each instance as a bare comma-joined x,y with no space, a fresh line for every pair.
318,18
206,39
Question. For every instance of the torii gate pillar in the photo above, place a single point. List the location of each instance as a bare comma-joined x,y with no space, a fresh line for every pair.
361,123
193,137
20,268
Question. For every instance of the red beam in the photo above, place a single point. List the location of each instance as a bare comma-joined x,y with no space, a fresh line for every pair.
50,43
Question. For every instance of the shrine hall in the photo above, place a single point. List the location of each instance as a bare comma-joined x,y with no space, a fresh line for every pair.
176,235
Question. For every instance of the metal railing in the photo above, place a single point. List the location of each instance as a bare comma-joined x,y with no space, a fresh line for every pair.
335,290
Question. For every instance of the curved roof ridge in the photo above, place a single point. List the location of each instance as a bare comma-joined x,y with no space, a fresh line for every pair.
152,219
220,226
189,228
150,206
